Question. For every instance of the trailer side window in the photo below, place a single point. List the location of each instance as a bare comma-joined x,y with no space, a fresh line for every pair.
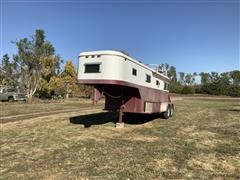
166,86
148,78
92,68
134,72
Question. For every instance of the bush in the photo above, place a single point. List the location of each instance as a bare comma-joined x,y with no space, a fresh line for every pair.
198,89
234,90
175,88
188,90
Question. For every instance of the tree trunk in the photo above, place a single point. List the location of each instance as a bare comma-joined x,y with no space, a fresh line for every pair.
30,98
67,95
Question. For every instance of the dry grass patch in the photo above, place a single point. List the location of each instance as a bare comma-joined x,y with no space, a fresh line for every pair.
143,138
19,108
212,163
200,142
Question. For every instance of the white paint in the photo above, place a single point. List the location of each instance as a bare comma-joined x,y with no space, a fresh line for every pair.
163,107
117,66
148,107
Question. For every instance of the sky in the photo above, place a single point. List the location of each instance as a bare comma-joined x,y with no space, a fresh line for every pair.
192,35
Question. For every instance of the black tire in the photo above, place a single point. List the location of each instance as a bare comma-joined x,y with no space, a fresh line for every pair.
167,114
172,110
10,99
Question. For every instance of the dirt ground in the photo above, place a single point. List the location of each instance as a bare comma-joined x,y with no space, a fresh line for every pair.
201,141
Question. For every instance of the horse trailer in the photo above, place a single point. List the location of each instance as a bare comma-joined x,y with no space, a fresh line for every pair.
128,85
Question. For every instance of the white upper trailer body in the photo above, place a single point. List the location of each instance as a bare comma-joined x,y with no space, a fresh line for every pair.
114,65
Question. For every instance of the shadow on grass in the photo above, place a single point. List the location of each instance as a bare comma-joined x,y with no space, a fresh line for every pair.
106,117
134,118
232,110
94,119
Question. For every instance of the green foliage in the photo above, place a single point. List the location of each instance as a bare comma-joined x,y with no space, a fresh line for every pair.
234,90
64,84
221,84
56,86
36,68
69,70
175,87
172,74
185,85
227,83
7,72
188,90
235,77
85,90
181,77
50,65
187,78
205,77
197,88
36,62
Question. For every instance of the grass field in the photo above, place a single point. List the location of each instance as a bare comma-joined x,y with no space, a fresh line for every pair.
17,108
201,141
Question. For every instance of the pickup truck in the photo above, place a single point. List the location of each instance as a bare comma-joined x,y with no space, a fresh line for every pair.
10,94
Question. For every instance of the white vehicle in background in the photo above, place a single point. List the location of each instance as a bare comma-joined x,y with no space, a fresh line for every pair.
10,94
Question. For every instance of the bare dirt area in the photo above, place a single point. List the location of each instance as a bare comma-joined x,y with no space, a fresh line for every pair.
201,141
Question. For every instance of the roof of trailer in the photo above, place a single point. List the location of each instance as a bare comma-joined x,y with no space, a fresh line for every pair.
109,52
117,53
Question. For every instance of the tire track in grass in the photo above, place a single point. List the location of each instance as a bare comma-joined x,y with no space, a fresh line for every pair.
42,114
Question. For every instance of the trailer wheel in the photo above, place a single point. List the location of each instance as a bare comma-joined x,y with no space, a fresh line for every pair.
172,110
167,114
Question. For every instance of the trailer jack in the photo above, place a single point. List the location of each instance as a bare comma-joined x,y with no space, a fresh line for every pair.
120,123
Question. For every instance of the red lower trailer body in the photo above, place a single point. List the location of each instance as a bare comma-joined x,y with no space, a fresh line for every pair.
125,97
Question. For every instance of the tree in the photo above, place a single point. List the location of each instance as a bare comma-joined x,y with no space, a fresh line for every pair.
217,84
235,77
65,83
205,78
8,75
234,90
188,89
214,76
172,74
186,83
223,83
30,59
56,86
174,85
69,70
190,78
50,69
70,78
181,78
